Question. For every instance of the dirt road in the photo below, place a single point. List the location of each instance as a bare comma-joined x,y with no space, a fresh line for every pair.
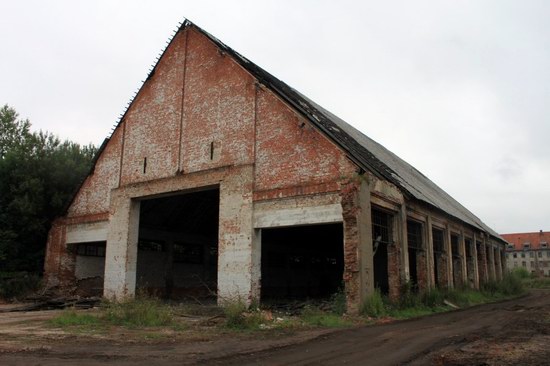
515,332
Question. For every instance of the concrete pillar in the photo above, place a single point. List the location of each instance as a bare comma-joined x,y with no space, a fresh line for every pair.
476,262
121,251
430,253
358,255
238,246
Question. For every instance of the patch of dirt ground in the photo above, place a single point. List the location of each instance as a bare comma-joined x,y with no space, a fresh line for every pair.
514,332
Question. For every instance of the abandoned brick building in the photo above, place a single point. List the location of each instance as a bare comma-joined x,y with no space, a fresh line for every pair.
221,179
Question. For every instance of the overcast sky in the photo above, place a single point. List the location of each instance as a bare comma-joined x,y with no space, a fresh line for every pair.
459,89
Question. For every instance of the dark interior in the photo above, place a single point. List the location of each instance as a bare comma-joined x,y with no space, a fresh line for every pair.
414,242
438,249
381,236
178,245
303,262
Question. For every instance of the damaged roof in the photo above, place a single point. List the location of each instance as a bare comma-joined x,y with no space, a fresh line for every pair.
364,151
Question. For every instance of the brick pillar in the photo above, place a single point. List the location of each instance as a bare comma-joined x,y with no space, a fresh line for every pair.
358,256
430,277
463,259
449,258
401,231
59,263
422,265
475,262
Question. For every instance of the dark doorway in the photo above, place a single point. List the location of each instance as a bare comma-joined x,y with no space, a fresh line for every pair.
178,245
382,237
457,261
414,243
470,261
302,262
481,269
439,256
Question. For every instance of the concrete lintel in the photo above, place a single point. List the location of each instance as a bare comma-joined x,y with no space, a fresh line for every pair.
298,216
87,232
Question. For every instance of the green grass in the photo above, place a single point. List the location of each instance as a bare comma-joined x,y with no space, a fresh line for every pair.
71,317
138,313
238,317
412,304
315,317
374,305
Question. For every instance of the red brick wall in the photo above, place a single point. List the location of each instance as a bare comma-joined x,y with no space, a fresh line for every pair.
290,152
93,197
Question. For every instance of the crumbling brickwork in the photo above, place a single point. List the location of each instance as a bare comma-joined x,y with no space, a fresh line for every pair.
203,119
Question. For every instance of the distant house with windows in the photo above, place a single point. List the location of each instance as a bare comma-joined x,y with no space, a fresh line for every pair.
530,251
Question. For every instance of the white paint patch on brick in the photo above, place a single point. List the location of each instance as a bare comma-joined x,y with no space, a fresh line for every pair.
88,232
298,216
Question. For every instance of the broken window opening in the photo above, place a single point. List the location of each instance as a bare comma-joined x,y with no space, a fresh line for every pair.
457,260
414,243
178,245
382,236
144,165
439,256
304,262
90,268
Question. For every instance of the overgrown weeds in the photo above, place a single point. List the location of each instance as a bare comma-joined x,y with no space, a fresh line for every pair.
144,312
316,317
413,303
374,305
138,313
239,317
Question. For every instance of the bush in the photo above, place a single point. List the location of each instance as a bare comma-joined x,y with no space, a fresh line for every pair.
521,273
142,312
433,298
512,283
239,317
338,302
17,284
374,305
408,298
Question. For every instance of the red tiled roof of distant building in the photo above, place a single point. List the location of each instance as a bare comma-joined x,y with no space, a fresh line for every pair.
535,239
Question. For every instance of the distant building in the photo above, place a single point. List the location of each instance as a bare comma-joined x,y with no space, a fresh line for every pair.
530,251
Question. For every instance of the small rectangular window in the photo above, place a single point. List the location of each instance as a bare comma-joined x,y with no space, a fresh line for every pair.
515,255
91,249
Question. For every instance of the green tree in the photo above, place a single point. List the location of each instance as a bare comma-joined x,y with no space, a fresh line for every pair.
38,175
